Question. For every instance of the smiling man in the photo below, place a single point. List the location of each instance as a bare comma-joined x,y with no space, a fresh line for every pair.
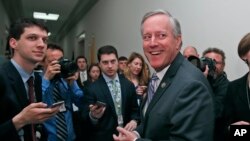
181,107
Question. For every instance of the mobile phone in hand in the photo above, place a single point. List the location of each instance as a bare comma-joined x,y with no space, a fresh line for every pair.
60,103
100,104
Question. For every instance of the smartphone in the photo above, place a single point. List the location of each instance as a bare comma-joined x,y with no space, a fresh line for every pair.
57,104
100,104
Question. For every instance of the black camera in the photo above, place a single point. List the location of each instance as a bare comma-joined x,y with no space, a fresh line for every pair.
201,64
68,68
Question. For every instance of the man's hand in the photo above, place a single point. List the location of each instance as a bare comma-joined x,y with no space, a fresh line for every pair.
124,135
53,68
96,111
34,113
71,79
131,125
206,71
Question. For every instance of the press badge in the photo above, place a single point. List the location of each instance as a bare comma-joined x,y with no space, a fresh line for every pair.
62,108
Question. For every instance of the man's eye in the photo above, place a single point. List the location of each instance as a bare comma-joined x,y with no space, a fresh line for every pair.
146,37
32,38
162,36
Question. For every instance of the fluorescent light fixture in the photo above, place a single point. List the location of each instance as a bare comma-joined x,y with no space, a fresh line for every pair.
82,36
45,16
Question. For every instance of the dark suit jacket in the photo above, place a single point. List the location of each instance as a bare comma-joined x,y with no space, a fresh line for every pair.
236,105
182,107
13,98
106,125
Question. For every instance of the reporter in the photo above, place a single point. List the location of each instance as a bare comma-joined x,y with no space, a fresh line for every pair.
20,118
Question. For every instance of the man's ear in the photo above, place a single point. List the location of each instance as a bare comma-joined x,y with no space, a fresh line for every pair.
13,43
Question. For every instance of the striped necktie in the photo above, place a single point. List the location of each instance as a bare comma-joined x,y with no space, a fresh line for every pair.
152,87
61,126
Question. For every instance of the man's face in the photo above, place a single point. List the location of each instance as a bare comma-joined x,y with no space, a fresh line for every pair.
159,44
52,55
122,64
218,59
82,64
31,46
109,64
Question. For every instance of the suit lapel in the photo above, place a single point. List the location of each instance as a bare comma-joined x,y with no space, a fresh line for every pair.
165,82
244,90
17,85
123,94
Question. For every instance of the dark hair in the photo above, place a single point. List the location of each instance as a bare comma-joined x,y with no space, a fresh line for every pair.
244,45
89,69
108,49
54,47
17,28
122,58
215,50
81,56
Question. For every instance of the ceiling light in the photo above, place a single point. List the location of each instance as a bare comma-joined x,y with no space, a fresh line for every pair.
82,36
45,16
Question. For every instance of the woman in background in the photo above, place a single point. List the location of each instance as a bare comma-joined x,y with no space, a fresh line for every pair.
137,72
93,73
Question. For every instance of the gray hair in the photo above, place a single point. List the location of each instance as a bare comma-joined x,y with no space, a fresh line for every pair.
176,27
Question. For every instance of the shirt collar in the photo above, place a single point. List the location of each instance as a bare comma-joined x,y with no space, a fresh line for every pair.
25,76
108,79
161,73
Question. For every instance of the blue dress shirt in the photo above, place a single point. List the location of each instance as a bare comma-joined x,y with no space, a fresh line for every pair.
70,95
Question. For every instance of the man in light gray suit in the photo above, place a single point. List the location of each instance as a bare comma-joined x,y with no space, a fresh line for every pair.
181,108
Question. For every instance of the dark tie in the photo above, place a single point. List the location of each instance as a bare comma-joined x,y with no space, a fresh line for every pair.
31,100
61,126
152,87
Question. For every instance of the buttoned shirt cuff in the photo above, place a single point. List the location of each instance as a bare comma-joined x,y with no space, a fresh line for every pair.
137,135
93,120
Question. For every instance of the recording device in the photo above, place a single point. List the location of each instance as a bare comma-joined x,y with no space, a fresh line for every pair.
100,104
68,68
201,64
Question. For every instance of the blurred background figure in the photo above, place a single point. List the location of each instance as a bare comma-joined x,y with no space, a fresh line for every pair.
137,72
93,73
82,64
190,51
122,64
